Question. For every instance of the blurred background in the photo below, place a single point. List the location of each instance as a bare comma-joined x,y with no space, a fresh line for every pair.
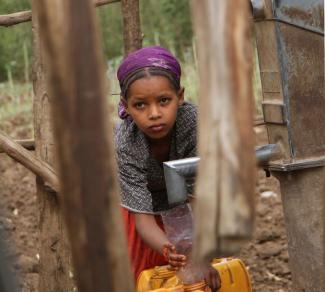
163,22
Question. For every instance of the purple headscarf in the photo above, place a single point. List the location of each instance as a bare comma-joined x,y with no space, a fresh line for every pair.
154,56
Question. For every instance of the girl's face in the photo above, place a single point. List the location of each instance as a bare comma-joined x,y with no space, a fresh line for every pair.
152,102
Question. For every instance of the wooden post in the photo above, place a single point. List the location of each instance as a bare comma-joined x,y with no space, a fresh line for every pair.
55,260
90,193
131,26
226,175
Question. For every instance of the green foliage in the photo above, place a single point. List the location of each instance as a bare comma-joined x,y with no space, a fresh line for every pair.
14,42
110,18
164,22
168,23
11,6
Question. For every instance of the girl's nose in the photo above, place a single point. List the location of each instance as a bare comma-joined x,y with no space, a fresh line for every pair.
154,112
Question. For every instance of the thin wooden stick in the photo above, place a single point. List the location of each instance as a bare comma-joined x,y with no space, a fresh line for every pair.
28,144
105,2
25,16
15,18
24,157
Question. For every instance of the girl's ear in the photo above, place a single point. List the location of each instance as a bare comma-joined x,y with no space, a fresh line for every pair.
181,96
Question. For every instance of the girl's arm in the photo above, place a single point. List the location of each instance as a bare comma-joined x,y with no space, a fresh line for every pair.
152,234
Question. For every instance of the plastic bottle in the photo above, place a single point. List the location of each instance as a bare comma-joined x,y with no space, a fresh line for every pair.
178,223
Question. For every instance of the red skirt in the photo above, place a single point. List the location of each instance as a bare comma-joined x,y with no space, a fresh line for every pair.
141,255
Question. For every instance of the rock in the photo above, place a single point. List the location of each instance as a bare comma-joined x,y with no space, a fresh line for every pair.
281,269
268,194
27,264
284,271
269,249
265,235
262,210
9,225
284,256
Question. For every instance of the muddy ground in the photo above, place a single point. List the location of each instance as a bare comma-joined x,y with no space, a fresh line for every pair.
266,255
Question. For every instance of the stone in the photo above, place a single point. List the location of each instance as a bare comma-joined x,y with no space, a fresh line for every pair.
268,249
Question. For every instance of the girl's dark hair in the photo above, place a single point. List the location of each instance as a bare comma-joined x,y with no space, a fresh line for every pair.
147,72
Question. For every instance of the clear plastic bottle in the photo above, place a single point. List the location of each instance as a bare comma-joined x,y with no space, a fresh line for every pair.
178,223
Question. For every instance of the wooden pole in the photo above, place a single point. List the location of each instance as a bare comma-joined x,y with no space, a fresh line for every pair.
25,16
55,273
90,193
226,175
131,26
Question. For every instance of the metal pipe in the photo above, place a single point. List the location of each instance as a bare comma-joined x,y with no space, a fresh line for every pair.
177,171
266,153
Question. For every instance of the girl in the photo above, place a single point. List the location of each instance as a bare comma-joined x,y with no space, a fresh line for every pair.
157,126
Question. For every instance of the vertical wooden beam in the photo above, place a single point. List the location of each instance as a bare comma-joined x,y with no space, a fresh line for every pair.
55,260
131,26
90,193
226,176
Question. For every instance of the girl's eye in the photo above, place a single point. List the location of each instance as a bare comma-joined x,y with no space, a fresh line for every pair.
139,105
164,100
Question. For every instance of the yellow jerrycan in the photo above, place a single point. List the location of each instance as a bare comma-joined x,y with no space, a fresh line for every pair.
233,274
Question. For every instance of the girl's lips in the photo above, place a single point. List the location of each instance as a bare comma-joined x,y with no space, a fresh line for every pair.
157,128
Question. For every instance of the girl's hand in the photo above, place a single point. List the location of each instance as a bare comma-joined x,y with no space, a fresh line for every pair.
175,260
212,278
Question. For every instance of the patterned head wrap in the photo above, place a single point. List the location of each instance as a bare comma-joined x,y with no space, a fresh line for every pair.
154,56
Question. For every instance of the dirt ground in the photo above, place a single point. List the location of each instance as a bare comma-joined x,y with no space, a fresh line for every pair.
266,256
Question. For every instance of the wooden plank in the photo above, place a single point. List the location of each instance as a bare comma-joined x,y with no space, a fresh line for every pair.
131,26
226,175
90,193
26,16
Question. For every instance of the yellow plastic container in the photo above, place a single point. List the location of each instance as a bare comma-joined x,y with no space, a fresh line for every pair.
197,287
233,274
157,278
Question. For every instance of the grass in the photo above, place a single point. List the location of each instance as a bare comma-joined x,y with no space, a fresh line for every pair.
16,117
